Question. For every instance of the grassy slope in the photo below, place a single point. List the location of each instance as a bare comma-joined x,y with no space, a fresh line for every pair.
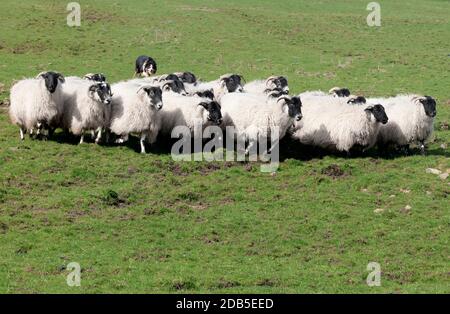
198,227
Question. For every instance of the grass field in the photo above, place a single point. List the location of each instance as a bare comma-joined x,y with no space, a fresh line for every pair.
226,227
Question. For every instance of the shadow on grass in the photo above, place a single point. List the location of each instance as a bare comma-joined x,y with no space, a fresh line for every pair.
289,148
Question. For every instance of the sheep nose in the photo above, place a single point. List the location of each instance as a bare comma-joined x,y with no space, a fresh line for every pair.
159,106
299,117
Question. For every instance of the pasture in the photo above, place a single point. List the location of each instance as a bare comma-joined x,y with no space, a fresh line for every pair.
147,224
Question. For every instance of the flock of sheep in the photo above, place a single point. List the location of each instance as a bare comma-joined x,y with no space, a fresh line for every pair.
152,106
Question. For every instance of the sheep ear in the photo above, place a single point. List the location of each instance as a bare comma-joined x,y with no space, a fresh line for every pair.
423,100
92,90
369,109
42,74
61,78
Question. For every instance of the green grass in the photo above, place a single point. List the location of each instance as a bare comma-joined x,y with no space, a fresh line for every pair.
226,227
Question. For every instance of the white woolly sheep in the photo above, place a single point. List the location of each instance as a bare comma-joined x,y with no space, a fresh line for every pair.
135,110
254,115
411,119
36,103
86,107
188,111
331,124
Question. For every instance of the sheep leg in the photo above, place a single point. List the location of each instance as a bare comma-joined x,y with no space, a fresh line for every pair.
51,131
108,134
99,135
39,127
92,134
82,137
422,148
142,141
22,134
249,147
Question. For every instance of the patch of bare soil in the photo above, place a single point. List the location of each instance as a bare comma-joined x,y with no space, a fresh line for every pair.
334,171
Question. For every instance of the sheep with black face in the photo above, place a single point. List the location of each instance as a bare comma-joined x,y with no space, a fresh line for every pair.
135,110
36,103
188,111
330,123
254,116
411,119
86,107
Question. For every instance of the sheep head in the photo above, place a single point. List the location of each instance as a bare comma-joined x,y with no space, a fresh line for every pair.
96,77
292,106
429,105
51,80
212,111
151,95
175,86
339,92
378,113
101,92
232,83
278,82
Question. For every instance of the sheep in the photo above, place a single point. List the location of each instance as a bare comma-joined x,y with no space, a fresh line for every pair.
411,119
253,116
36,103
274,86
145,66
188,111
135,109
228,83
86,107
331,124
